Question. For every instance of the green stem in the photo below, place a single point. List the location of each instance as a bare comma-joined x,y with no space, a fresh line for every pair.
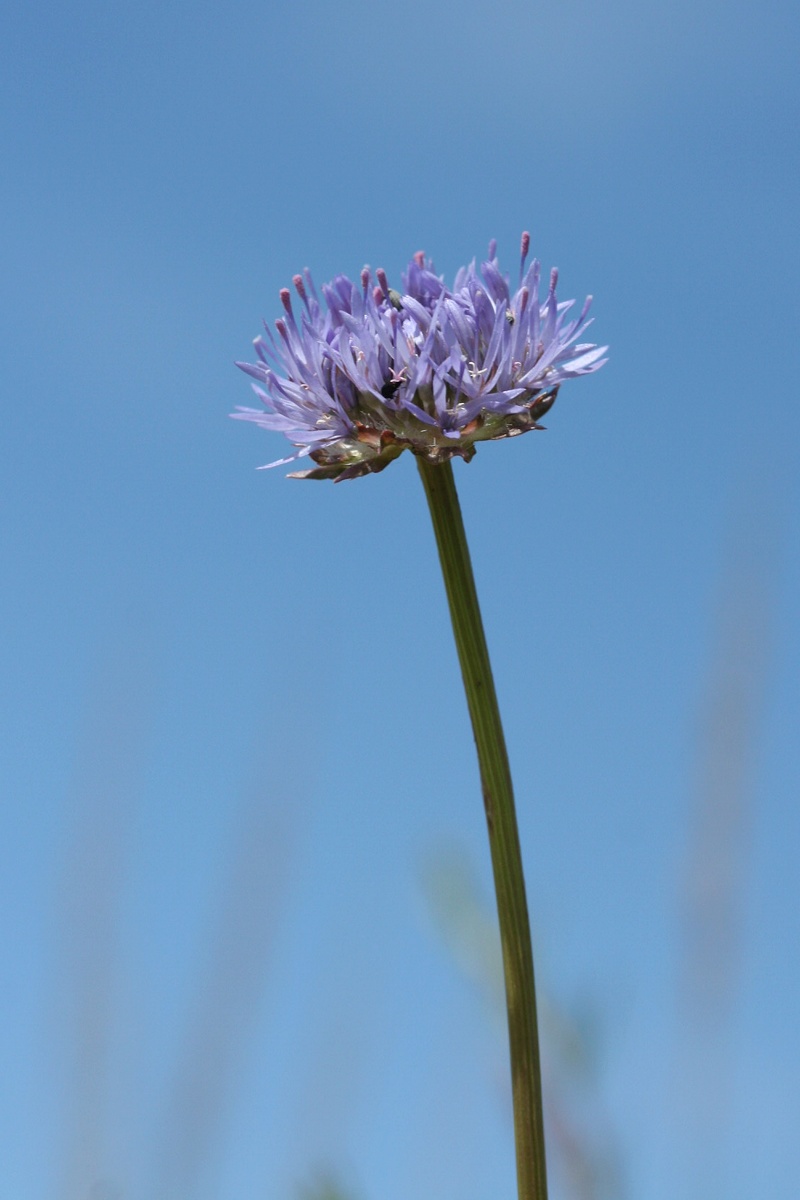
498,799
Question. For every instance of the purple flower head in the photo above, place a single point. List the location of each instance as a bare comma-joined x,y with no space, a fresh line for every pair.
354,382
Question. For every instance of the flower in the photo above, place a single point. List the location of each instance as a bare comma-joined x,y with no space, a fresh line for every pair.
433,370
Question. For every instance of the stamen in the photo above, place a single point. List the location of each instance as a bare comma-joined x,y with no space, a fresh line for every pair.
286,300
419,258
492,249
365,278
553,279
380,275
525,246
300,287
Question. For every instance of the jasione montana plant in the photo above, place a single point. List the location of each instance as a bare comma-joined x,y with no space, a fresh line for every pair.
372,372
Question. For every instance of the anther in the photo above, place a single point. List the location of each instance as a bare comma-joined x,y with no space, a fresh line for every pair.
419,258
380,275
286,300
492,249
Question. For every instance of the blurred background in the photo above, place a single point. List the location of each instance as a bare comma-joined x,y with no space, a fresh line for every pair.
246,918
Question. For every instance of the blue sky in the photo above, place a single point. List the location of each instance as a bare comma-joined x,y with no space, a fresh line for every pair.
202,660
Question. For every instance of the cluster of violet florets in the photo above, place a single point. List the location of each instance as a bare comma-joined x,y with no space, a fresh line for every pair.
431,369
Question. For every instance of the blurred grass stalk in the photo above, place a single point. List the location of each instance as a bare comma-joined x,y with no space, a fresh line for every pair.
717,852
498,798
583,1156
110,761
108,768
227,994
